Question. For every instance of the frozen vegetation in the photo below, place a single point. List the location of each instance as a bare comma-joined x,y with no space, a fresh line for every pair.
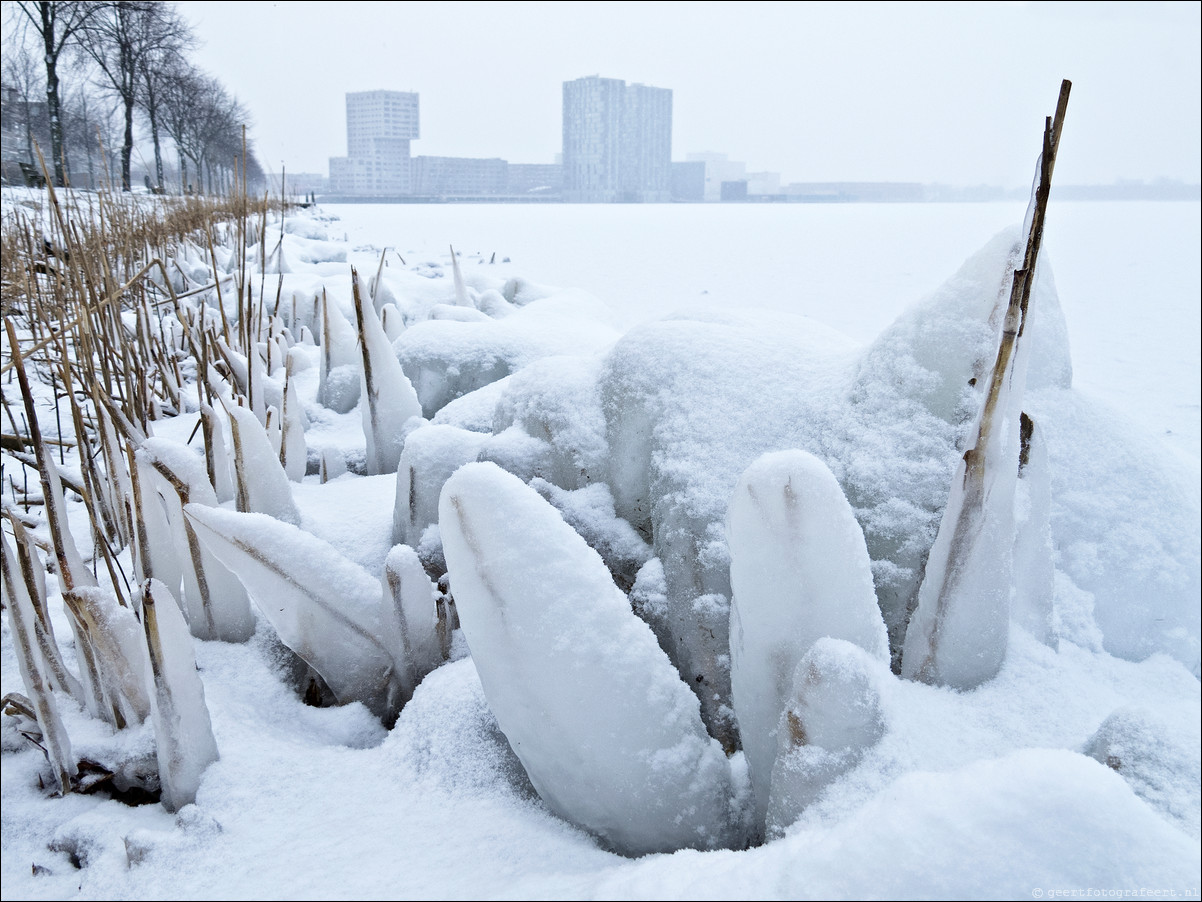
442,582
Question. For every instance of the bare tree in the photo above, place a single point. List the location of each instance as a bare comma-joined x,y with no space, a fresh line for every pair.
157,72
179,85
59,24
122,40
206,123
87,128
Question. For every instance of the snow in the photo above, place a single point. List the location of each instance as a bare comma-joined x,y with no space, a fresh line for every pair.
629,424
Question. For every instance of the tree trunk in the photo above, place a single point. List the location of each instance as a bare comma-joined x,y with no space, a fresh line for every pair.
127,148
152,113
52,104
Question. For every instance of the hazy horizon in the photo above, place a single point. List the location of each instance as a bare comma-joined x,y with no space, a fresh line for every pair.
916,92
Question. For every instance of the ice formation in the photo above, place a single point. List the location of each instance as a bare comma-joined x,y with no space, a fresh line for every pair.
214,602
576,681
836,711
262,485
800,573
324,607
411,599
338,387
184,740
387,400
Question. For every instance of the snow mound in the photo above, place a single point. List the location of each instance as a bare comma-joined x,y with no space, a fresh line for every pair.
446,359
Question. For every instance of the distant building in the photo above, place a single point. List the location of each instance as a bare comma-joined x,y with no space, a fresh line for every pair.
617,141
459,176
688,181
734,191
763,184
379,127
856,192
718,169
297,184
535,178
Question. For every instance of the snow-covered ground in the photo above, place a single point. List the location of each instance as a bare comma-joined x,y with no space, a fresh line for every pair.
997,792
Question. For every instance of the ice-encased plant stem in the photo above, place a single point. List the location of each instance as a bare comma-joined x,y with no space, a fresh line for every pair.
387,399
800,572
184,742
960,629
217,461
110,634
338,385
262,486
214,600
431,454
30,663
33,581
836,712
293,453
71,570
327,609
610,736
413,602
1034,561
461,298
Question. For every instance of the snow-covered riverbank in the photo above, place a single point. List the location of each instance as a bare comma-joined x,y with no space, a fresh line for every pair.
702,336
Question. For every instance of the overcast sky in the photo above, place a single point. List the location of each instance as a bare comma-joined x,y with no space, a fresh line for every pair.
930,92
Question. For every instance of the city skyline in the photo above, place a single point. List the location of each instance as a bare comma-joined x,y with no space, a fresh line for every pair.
922,92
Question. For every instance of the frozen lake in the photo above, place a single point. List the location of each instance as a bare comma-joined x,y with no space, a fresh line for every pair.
1129,274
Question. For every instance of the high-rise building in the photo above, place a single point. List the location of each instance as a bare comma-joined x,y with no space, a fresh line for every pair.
617,141
379,127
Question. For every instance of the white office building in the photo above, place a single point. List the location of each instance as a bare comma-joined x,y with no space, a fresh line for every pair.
617,141
379,127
